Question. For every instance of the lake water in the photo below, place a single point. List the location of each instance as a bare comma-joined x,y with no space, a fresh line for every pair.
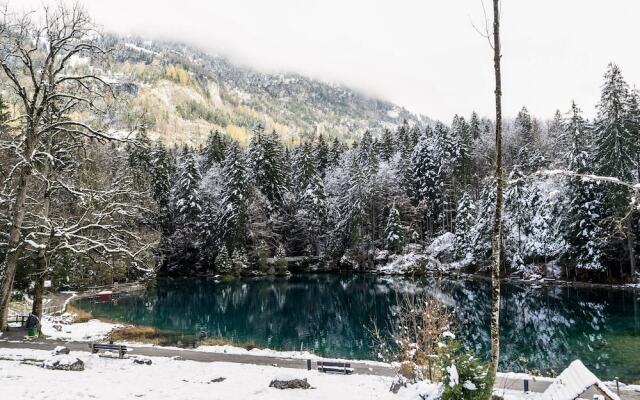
542,329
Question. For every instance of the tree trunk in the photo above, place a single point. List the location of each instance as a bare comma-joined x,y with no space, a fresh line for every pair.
496,256
38,290
631,241
8,269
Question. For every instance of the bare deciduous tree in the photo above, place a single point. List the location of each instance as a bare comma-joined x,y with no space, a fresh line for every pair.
35,53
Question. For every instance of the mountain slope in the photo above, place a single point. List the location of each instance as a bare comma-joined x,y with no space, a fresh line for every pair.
183,93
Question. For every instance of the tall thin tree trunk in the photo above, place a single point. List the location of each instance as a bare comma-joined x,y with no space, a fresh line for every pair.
38,290
8,268
631,241
496,256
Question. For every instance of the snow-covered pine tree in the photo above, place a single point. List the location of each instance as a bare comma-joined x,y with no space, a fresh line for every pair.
313,211
517,216
526,152
139,158
466,215
482,228
586,227
414,135
321,153
616,149
335,152
386,148
266,162
185,192
214,149
403,141
463,146
162,175
575,135
366,153
232,218
616,144
474,126
431,165
184,249
393,232
223,262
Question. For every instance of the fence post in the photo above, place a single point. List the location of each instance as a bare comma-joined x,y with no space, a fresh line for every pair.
526,385
308,365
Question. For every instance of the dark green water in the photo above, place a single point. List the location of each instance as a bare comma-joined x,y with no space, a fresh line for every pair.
542,329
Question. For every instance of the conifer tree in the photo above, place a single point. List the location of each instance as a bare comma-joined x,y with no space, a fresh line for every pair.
266,161
575,135
223,262
586,219
139,158
616,149
517,212
386,145
393,231
184,249
161,181
335,152
233,208
474,126
322,155
465,218
616,144
214,149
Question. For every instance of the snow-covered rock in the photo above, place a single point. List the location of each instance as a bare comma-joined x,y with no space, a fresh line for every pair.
61,350
290,383
64,362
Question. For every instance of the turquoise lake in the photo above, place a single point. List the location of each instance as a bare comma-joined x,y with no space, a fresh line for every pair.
542,329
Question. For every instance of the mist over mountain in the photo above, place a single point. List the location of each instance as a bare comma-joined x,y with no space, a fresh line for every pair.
183,93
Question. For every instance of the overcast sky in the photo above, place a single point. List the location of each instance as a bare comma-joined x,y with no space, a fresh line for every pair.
422,54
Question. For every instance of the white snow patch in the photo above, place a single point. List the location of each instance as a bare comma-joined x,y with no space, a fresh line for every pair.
92,330
114,379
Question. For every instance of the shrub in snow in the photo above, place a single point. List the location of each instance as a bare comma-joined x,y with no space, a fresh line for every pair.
464,377
419,325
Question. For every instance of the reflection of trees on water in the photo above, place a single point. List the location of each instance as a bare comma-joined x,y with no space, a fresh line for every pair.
542,328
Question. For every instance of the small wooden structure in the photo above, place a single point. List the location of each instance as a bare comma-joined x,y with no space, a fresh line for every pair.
576,382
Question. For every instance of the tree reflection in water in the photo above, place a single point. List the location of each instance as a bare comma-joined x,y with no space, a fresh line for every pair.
543,329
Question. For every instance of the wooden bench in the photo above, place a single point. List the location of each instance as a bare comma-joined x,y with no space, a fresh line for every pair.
96,347
22,319
339,367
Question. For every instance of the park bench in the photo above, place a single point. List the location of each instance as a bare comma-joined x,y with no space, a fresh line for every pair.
339,367
13,319
96,347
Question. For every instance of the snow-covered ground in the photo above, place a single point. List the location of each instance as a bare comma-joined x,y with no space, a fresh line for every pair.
95,330
92,330
165,378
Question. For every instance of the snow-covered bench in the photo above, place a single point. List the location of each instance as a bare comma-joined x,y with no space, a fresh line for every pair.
96,347
335,366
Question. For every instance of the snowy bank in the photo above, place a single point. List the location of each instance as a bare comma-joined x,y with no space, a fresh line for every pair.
109,378
61,328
